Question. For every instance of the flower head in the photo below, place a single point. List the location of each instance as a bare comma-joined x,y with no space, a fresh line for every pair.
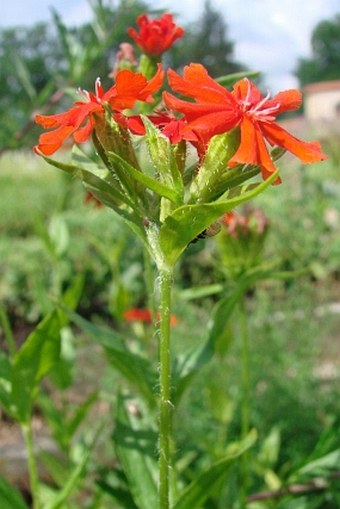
257,123
79,121
216,110
155,36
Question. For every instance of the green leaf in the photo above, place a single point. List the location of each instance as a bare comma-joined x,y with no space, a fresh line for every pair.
137,370
136,450
98,180
188,221
231,79
6,385
101,185
321,466
119,495
23,74
33,361
149,182
194,495
75,475
59,234
7,331
10,498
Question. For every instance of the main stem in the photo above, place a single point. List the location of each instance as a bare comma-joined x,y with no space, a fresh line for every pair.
166,278
245,394
32,465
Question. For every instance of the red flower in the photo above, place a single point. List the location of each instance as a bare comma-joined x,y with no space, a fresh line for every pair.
79,122
155,36
143,315
216,110
172,127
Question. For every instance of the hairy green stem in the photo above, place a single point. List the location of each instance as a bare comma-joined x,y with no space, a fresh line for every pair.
166,278
32,465
245,393
149,279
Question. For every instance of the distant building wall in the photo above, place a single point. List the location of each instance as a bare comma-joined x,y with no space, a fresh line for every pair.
322,101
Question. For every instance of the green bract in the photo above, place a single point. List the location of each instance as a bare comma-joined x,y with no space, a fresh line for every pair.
155,187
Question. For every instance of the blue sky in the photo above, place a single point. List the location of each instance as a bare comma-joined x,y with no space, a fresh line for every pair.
269,35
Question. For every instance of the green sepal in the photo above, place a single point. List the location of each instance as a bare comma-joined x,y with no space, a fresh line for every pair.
230,79
194,495
113,137
214,167
148,66
163,158
186,222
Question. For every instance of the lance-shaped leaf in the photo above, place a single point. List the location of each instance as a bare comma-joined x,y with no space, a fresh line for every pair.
99,180
230,79
194,496
10,498
58,502
33,361
101,184
188,221
136,448
6,385
163,158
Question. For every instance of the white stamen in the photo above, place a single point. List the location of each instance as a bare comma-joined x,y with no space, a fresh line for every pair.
97,87
84,95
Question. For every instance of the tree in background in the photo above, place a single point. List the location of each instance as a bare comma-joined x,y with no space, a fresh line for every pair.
325,61
41,64
207,41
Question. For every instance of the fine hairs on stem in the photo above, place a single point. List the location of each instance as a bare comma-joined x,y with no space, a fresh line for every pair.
165,282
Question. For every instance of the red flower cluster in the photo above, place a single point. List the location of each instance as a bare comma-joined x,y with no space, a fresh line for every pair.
210,109
78,121
155,36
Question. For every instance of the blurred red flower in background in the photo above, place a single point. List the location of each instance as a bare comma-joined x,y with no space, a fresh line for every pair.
144,315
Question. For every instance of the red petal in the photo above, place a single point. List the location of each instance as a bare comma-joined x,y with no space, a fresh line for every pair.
246,89
83,133
307,152
247,152
288,100
197,83
52,141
